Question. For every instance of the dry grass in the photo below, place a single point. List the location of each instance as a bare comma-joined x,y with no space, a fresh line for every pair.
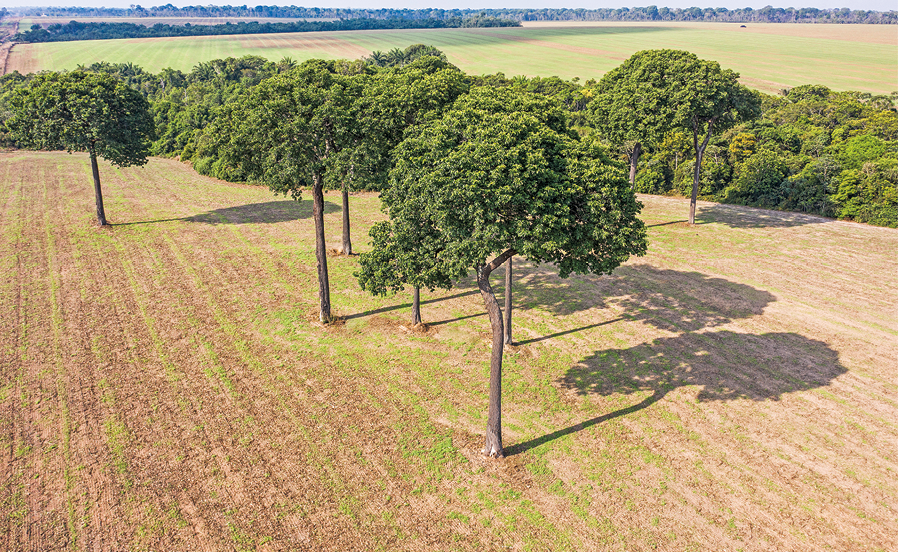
164,388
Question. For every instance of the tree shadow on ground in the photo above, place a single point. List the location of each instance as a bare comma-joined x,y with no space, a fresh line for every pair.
673,300
267,212
738,216
725,365
408,305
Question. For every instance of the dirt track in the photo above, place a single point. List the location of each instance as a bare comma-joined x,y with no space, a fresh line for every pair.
165,386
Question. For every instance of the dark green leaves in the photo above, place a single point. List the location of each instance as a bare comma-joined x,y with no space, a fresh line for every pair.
80,111
500,171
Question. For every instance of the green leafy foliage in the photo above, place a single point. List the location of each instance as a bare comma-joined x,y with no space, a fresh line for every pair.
81,111
634,102
813,150
284,130
389,102
500,171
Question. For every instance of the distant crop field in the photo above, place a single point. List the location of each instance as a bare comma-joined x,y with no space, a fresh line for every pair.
768,56
166,386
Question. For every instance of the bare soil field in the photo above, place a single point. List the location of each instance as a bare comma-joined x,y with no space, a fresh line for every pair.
165,384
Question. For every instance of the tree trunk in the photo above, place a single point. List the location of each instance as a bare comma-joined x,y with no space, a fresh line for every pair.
493,444
508,340
416,306
634,159
697,171
324,290
347,243
101,213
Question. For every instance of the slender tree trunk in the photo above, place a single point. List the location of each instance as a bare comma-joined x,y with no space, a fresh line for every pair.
697,172
634,159
324,290
416,306
493,444
347,242
101,213
508,340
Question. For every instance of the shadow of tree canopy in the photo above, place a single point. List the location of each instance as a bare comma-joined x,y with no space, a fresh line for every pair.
267,212
725,365
738,216
408,305
673,300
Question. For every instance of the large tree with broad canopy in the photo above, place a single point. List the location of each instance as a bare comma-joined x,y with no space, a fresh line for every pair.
631,105
285,132
499,175
87,112
709,99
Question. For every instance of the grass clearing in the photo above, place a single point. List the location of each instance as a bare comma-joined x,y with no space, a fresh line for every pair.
166,384
768,56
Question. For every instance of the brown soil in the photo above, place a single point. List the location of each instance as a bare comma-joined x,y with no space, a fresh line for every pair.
19,58
162,387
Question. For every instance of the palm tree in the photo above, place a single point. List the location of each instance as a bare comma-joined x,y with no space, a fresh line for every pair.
286,64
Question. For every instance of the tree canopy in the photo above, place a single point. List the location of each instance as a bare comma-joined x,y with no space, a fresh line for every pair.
500,174
708,99
633,105
85,112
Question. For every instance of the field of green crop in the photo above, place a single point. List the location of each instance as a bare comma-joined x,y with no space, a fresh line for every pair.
769,56
165,383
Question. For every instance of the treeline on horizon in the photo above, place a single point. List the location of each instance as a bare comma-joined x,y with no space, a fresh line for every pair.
76,30
767,14
811,150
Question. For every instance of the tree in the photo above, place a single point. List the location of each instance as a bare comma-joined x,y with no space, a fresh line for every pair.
708,99
407,250
85,112
631,107
284,133
508,282
500,175
390,102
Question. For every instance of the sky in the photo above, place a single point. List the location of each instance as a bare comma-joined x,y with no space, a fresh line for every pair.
880,5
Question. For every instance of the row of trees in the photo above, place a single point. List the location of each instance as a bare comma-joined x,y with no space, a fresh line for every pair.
470,176
75,30
811,150
767,14
473,170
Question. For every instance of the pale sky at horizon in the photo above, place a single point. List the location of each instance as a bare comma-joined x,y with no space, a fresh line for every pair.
879,5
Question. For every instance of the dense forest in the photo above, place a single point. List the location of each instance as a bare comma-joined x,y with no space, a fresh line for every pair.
767,14
75,30
811,150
